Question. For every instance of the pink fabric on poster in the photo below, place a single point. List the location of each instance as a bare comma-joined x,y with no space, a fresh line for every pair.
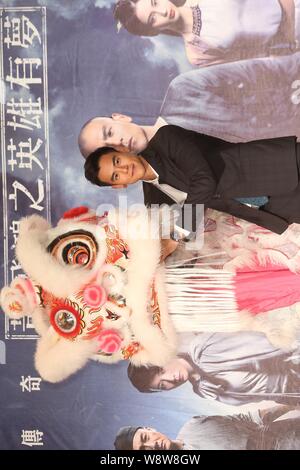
262,291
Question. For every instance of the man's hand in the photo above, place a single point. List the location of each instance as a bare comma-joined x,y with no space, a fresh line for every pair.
167,248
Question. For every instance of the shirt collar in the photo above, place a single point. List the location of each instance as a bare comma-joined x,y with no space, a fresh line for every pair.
155,180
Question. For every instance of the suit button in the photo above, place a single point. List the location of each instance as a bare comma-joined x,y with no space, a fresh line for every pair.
216,196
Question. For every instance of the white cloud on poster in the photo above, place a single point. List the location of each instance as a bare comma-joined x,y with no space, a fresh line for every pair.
73,9
167,50
17,93
104,3
68,10
55,111
70,178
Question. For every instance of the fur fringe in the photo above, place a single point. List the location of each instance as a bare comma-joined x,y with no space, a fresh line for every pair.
57,358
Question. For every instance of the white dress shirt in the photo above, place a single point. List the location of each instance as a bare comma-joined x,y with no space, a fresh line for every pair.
178,197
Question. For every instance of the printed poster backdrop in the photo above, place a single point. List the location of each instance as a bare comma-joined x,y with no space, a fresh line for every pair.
65,62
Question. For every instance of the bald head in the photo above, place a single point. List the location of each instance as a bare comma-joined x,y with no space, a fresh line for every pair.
118,132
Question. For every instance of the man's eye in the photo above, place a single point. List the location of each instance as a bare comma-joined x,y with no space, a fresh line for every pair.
109,134
116,177
117,161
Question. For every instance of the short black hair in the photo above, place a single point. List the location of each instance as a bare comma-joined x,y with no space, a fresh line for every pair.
141,377
91,165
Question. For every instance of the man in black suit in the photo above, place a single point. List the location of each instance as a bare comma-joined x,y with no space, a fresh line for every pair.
193,168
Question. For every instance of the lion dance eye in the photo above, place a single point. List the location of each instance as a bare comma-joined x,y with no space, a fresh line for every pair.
78,247
66,321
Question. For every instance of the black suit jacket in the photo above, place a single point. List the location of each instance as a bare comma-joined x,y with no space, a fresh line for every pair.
214,172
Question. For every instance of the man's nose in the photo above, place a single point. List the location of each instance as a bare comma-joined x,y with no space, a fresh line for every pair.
111,141
123,168
156,445
123,143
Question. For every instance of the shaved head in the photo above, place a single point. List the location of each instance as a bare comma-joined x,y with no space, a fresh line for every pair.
117,131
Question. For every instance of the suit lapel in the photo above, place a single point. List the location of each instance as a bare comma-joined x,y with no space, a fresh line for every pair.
160,160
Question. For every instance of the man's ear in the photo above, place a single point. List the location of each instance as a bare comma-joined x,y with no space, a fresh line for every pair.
119,186
121,117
